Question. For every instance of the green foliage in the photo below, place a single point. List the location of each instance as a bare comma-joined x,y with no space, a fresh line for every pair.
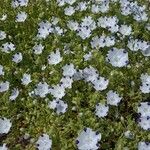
33,116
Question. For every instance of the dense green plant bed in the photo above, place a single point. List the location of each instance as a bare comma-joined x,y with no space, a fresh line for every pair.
74,74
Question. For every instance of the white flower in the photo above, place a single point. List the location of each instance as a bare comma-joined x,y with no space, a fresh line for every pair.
8,47
148,26
117,57
88,140
4,86
42,33
69,11
2,35
124,9
3,147
145,87
84,32
142,17
78,75
4,17
113,98
38,48
1,70
114,1
17,3
21,17
59,105
100,83
73,25
86,27
54,58
45,28
42,89
143,45
68,70
44,142
109,41
125,30
82,6
60,2
5,125
101,110
66,82
143,145
43,67
87,56
104,7
17,58
14,94
128,134
144,112
57,91
146,52
88,22
133,45
90,74
100,6
95,8
55,20
26,79
144,109
95,42
144,122
70,2
58,30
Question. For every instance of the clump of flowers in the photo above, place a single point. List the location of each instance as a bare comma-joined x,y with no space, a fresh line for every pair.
110,23
103,41
134,9
137,44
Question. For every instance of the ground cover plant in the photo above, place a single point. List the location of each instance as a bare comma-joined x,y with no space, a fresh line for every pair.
74,74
